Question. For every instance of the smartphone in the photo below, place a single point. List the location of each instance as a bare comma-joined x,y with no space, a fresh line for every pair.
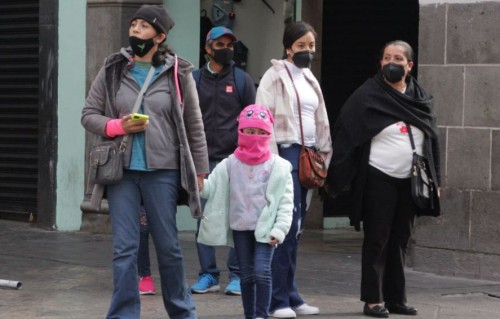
137,116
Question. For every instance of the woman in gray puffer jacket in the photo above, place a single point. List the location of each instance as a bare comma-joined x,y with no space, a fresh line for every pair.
165,153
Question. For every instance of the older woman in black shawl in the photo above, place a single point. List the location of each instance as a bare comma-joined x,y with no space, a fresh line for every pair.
372,157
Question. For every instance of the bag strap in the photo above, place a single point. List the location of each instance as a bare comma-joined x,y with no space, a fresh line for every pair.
298,104
408,127
197,77
239,81
138,101
176,79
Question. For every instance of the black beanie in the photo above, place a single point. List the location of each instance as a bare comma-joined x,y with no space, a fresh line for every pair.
156,15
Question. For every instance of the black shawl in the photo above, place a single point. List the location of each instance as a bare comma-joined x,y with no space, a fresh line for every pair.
371,108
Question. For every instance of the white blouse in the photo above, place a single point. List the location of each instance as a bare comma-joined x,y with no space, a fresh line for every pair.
309,103
391,150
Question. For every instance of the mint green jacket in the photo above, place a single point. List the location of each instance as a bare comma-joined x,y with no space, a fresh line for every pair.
275,219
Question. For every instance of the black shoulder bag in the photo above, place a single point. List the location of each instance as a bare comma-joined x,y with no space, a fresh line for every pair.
422,184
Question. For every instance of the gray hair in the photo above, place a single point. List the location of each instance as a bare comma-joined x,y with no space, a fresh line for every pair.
410,55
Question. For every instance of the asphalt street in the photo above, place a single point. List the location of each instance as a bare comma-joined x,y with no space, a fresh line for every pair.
68,275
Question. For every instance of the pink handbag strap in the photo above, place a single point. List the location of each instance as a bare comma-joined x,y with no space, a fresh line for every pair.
176,77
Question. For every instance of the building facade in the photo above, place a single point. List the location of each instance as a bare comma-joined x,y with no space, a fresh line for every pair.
56,48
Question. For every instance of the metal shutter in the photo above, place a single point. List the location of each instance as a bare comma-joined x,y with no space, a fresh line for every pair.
19,99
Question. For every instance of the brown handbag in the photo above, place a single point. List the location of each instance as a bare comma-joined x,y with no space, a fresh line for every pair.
312,166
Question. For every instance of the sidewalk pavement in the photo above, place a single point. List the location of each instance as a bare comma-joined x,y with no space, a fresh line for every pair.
68,275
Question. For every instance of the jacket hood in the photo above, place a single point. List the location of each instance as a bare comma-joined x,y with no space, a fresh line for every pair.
126,54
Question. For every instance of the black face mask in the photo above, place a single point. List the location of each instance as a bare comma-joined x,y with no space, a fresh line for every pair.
223,56
393,72
303,59
141,47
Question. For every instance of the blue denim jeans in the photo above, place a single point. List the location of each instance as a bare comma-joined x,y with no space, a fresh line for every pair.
206,254
285,293
143,261
159,191
255,273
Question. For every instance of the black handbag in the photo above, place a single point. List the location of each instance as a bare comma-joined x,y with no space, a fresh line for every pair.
422,184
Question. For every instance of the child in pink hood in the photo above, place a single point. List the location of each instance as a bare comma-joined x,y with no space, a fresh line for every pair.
249,205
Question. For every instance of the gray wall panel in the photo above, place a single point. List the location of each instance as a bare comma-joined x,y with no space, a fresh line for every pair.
468,158
482,96
432,32
446,84
473,35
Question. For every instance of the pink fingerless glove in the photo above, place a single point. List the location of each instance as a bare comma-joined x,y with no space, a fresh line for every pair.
114,128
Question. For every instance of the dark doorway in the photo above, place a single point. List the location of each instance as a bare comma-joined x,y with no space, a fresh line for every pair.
354,32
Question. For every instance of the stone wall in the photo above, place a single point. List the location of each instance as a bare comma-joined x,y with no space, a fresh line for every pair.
459,63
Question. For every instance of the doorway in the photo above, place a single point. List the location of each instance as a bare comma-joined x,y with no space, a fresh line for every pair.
354,33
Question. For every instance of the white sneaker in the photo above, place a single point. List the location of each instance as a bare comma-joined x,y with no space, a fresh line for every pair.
305,309
283,313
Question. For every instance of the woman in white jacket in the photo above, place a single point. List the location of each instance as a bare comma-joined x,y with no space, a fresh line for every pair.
276,91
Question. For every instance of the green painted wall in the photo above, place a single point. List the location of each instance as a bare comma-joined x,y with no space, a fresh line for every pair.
184,37
298,10
71,97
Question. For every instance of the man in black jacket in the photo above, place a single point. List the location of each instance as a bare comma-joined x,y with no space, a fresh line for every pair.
223,90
